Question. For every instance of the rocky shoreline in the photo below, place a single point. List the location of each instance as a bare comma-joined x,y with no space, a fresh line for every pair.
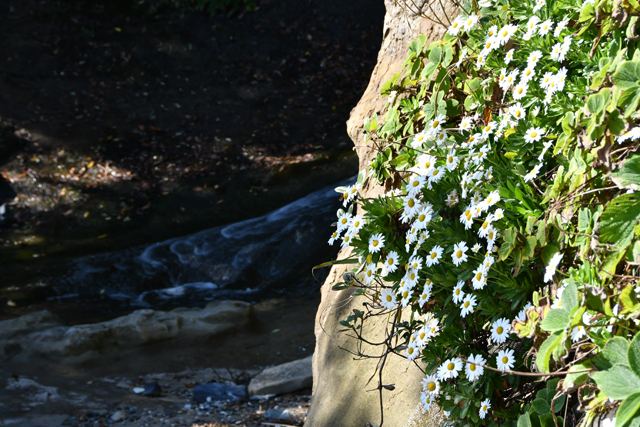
229,343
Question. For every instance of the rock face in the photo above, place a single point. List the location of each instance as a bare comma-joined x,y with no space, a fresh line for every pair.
284,378
42,333
339,381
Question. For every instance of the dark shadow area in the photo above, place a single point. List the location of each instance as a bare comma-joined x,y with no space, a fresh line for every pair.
123,123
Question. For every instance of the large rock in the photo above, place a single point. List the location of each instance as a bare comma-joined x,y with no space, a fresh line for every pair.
340,383
285,378
42,333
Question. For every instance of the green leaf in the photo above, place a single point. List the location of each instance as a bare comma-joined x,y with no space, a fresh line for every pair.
616,124
572,381
633,354
627,75
547,347
556,320
615,351
618,220
541,406
530,247
595,103
629,410
524,421
618,382
435,56
628,176
629,300
570,297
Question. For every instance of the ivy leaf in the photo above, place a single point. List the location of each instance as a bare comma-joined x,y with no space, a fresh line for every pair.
618,382
628,176
619,219
627,76
629,412
556,320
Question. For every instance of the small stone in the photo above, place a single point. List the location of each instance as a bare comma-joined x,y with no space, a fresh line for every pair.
118,416
138,390
218,391
283,415
152,390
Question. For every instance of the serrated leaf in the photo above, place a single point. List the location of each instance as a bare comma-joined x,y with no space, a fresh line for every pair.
618,220
618,382
556,320
629,411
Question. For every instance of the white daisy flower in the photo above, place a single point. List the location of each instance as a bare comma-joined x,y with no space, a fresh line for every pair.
419,140
475,248
533,173
427,401
545,27
411,205
533,58
452,198
415,263
449,369
560,27
632,135
433,328
517,112
459,254
415,185
343,219
434,256
458,293
424,216
520,91
425,296
467,218
391,263
539,5
431,385
577,333
551,268
434,127
455,27
509,57
498,214
533,135
484,408
511,78
505,360
472,369
346,241
468,304
355,225
491,32
556,52
452,161
532,24
528,74
500,330
376,242
441,137
466,123
335,236
436,175
424,164
412,351
388,298
505,34
470,22
479,279
369,273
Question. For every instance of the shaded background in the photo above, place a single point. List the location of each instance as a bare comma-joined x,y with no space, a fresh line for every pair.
125,124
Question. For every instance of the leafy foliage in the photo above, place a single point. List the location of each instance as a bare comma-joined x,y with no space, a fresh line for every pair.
509,229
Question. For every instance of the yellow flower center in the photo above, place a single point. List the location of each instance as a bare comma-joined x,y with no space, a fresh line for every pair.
459,254
435,124
455,24
485,225
410,351
346,238
489,199
518,113
435,172
411,203
450,366
421,217
505,359
369,272
427,165
534,134
422,335
375,243
345,195
478,276
389,299
504,33
520,90
433,255
405,294
457,291
488,45
357,224
466,304
413,276
428,282
500,330
431,386
472,367
390,261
